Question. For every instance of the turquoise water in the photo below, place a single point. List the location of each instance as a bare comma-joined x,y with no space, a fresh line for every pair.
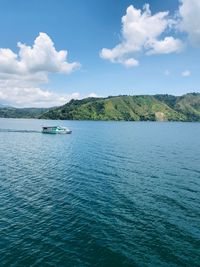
109,194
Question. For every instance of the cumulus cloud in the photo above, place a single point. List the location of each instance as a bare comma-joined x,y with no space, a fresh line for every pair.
36,61
186,73
189,11
32,96
142,32
21,73
27,96
166,46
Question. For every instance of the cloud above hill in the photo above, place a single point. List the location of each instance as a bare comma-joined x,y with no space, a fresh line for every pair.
152,34
35,62
189,11
27,95
22,73
142,33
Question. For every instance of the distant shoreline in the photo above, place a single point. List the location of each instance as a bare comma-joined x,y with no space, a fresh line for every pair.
122,121
163,108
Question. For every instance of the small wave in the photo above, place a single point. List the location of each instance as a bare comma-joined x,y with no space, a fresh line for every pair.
18,131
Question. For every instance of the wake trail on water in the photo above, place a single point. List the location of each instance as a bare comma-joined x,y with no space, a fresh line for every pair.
18,131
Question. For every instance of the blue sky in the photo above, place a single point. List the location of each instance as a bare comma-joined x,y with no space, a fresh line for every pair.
84,28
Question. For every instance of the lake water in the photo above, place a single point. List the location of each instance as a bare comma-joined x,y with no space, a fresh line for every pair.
110,194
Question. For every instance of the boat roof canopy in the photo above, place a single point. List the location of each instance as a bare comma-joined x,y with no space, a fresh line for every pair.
50,126
46,127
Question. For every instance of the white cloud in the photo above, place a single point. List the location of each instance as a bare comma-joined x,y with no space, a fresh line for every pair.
166,46
189,11
27,95
130,62
141,32
166,72
24,96
38,60
93,95
186,73
21,74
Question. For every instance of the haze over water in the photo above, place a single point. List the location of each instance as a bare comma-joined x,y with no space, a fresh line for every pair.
109,194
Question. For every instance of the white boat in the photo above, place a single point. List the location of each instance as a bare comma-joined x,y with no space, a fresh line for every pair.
55,130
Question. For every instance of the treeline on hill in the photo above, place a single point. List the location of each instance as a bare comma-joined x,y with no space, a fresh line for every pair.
128,108
10,112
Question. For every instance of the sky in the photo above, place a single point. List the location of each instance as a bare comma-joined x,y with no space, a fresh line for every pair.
52,51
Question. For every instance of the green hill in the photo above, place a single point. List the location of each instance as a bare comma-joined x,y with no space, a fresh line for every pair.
10,112
130,108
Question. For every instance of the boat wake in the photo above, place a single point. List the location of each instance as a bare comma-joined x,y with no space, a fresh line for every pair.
18,131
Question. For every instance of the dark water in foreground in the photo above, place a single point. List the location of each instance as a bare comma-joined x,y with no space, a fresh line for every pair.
109,194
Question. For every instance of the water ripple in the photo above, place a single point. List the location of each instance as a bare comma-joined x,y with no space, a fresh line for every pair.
111,194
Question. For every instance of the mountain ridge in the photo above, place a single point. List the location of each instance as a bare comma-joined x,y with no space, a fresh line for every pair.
160,107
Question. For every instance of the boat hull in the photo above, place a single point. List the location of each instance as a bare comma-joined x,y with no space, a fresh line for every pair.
56,130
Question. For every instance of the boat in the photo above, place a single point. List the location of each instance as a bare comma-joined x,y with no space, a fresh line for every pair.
55,130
